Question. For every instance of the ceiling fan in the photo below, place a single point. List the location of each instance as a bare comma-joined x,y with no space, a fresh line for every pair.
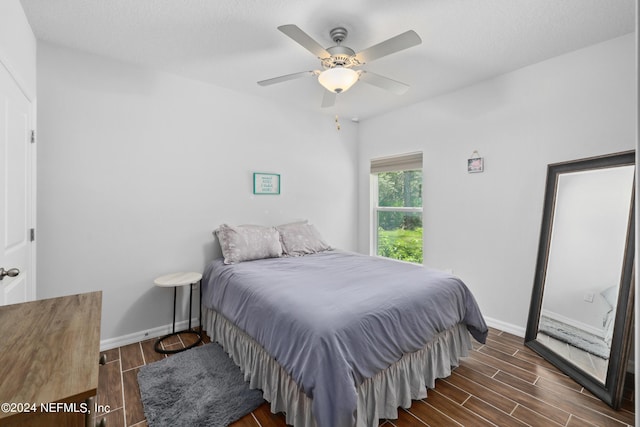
338,62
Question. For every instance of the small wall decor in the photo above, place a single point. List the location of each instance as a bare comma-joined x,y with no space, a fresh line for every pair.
475,163
266,183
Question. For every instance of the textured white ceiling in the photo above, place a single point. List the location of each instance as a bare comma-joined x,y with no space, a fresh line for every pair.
235,43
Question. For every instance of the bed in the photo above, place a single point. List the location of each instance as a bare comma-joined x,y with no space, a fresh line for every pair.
338,339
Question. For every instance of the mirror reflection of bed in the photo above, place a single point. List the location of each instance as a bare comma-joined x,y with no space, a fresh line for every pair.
584,262
584,345
586,350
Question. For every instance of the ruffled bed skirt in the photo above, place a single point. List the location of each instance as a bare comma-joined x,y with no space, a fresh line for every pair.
378,397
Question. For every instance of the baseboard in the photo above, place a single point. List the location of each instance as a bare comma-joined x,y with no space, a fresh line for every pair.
572,322
160,331
520,332
505,327
146,334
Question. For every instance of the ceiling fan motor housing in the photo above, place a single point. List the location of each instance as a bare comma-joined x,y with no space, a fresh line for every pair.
341,56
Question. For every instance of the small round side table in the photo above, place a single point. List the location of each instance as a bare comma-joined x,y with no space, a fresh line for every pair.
174,280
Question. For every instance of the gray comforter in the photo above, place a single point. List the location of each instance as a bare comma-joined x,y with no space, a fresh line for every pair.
335,318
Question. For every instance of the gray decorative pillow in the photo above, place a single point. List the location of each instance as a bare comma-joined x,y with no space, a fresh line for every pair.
301,238
248,242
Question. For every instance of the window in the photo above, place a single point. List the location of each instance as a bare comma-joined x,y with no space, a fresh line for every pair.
397,207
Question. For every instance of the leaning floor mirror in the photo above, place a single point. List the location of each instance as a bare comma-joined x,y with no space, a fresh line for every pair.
581,312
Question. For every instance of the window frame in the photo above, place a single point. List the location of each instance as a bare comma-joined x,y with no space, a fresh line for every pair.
375,209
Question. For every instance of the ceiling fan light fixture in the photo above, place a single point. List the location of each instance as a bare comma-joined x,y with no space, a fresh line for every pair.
338,79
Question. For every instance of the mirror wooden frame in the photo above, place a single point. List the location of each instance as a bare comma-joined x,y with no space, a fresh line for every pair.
611,390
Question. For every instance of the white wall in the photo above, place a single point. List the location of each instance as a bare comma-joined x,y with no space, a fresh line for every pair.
486,226
137,167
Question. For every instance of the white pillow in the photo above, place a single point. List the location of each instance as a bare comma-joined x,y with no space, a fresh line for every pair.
301,238
248,242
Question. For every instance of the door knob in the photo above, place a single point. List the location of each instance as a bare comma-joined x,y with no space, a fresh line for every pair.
12,272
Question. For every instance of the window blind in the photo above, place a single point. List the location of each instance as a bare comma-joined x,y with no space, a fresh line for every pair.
410,161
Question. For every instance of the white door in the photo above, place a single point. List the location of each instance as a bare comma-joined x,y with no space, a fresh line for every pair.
16,193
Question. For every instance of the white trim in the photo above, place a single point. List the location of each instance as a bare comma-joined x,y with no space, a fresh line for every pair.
519,331
505,327
575,323
398,209
22,84
146,334
373,239
399,260
182,325
33,215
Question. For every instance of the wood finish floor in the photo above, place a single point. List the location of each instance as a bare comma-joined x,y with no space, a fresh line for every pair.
501,383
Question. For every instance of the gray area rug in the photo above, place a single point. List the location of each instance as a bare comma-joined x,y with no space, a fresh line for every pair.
199,387
574,336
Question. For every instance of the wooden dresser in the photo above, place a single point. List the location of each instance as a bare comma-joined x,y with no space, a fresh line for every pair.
49,352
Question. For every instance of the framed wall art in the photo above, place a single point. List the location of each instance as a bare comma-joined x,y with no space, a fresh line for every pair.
475,163
266,183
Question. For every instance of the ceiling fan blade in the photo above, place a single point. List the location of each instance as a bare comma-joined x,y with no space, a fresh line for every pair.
328,99
394,44
304,40
384,82
285,78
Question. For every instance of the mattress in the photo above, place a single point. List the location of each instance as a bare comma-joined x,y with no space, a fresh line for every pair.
335,319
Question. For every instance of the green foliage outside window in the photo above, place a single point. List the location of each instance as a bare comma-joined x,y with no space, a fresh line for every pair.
400,233
405,245
402,188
